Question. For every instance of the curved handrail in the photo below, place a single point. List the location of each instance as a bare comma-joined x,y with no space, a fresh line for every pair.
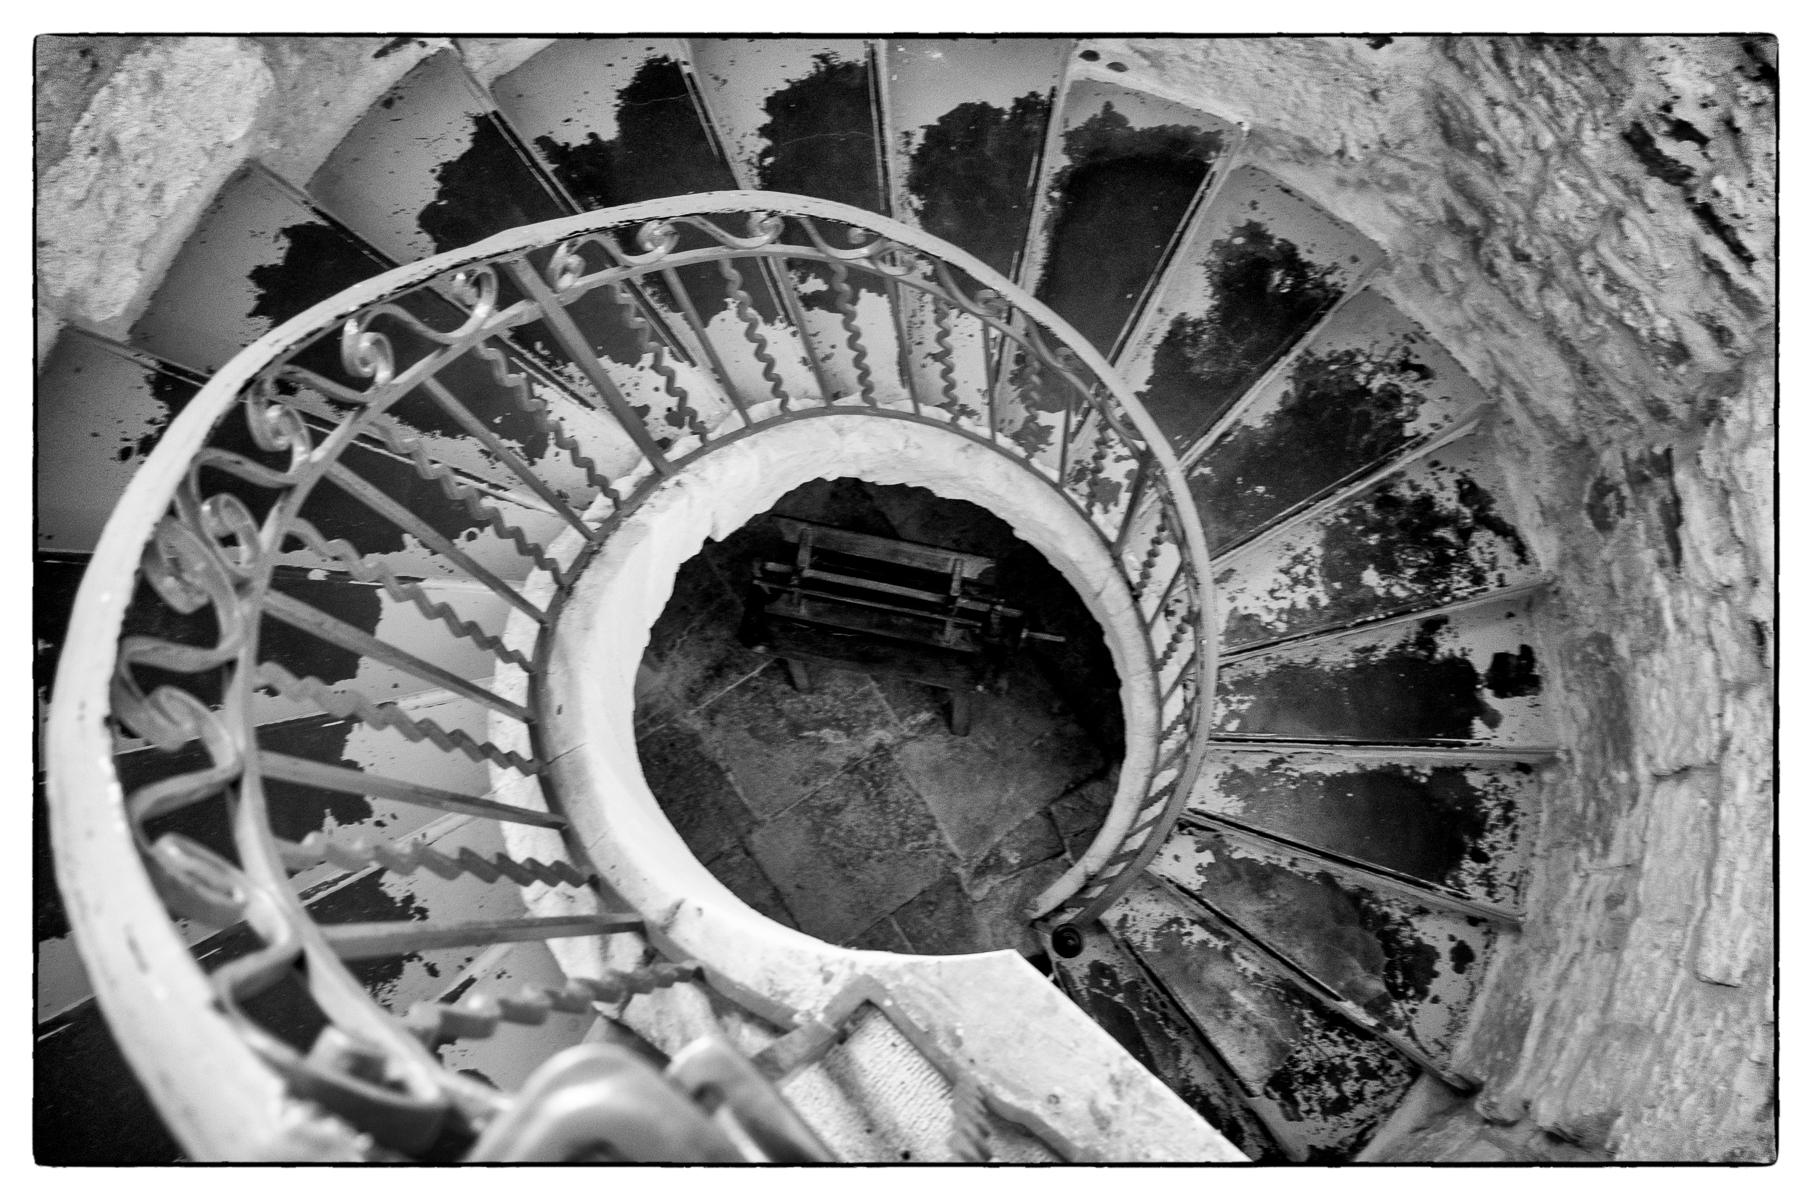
218,512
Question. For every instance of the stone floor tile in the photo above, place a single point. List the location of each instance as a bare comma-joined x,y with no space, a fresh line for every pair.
852,851
695,793
737,870
1033,840
1078,814
781,744
942,920
1022,752
916,707
699,594
700,667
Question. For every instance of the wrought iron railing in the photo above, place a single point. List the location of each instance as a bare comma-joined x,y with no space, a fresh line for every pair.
430,433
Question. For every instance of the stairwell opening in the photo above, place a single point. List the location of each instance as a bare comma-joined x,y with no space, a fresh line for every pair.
852,809
589,736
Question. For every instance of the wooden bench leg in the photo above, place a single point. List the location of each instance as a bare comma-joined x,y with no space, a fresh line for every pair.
798,673
961,711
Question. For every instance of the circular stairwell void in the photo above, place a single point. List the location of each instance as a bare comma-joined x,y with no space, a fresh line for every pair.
850,808
603,629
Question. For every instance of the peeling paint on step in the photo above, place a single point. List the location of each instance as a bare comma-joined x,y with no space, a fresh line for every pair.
1430,535
1260,269
1129,168
1458,825
1419,682
1370,382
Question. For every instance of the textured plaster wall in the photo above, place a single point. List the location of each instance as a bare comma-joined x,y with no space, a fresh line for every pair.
1588,224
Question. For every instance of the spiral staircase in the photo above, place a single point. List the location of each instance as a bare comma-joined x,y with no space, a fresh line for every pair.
345,811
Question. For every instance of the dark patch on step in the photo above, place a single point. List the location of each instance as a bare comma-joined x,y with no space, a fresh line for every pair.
365,899
49,919
1341,411
88,1107
488,188
1329,1081
357,604
969,174
1149,1028
1408,691
1512,675
1339,1073
1424,822
1417,540
1431,535
1119,199
295,811
338,515
56,578
661,148
1308,918
1263,295
820,136
318,261
174,393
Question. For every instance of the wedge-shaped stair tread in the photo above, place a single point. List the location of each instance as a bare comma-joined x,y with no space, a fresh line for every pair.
967,120
796,115
1368,383
1432,534
616,120
432,167
1469,677
1456,825
1410,968
1121,175
1114,990
1260,268
1332,1083
100,409
260,253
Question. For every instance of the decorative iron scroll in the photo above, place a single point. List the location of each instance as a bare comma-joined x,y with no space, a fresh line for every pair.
429,433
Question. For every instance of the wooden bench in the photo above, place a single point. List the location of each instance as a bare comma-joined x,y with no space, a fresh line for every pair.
883,606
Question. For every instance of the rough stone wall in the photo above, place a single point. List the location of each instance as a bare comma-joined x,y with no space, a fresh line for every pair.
135,135
1588,225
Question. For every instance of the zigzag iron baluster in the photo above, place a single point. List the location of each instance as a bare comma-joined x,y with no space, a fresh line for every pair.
467,497
751,323
545,421
351,704
846,313
479,1016
944,356
1179,628
371,571
683,415
405,858
1177,724
1150,561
